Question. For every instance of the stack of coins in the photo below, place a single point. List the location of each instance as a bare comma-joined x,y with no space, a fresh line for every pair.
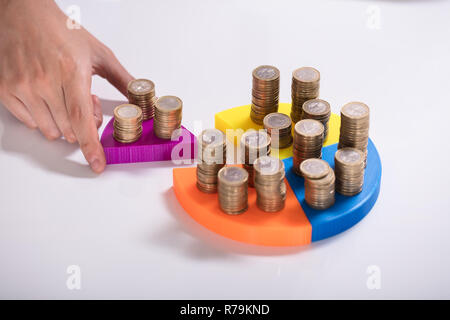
269,183
305,86
308,141
168,112
212,145
355,127
254,144
127,123
349,169
141,92
317,109
319,183
233,190
279,127
265,92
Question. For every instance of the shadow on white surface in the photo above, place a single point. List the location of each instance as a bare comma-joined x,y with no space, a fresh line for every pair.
139,168
205,244
32,145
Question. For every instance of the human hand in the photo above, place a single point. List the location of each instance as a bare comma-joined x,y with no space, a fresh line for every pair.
46,70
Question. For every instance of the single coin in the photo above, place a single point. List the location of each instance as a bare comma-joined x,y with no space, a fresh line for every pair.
349,156
316,107
309,127
306,74
141,86
314,168
212,137
255,139
267,165
265,92
169,103
266,73
233,175
277,120
127,112
127,123
355,110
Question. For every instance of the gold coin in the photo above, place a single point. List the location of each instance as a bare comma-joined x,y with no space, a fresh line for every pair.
168,115
319,183
305,86
269,183
355,122
212,152
349,169
127,123
265,92
141,92
233,190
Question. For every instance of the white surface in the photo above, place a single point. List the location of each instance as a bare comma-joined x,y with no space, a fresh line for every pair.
125,228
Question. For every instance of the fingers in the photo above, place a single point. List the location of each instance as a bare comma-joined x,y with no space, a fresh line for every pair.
81,115
19,110
107,66
40,113
56,104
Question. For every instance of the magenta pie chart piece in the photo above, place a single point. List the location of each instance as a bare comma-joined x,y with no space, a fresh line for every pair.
149,147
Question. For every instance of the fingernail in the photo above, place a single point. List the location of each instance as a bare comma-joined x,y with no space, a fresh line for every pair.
96,166
71,138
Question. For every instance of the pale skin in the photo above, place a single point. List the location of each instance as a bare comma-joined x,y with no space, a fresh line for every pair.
46,71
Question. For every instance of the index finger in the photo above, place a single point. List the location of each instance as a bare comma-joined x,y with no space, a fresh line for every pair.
81,115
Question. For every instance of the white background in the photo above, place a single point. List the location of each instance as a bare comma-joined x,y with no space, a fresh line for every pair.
125,228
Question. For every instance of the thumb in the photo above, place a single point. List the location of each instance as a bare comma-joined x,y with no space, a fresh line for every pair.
109,68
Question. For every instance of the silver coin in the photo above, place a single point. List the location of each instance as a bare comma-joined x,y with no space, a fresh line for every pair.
266,72
255,139
169,103
349,155
233,174
212,136
316,106
307,74
128,111
141,86
309,127
277,120
267,165
314,168
355,109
